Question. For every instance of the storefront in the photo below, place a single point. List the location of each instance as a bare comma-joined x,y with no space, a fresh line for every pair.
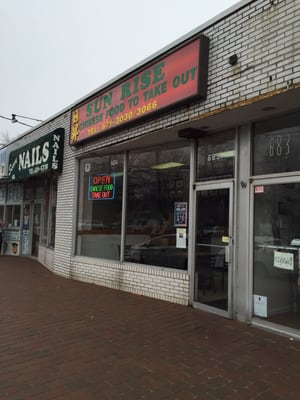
28,196
276,220
181,177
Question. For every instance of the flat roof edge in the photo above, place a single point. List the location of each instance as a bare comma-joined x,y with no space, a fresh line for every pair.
189,35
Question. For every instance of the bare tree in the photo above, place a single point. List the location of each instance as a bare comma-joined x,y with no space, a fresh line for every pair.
4,139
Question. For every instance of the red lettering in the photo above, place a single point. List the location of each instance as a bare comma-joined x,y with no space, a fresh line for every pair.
102,179
105,195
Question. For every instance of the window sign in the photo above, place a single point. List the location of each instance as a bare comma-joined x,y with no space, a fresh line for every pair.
101,187
181,238
284,260
260,305
259,189
180,214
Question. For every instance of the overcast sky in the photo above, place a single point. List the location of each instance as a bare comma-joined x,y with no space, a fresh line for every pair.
53,52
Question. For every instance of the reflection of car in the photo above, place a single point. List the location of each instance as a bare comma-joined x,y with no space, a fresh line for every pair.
160,251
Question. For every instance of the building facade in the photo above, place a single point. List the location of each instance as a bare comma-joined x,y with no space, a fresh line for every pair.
179,179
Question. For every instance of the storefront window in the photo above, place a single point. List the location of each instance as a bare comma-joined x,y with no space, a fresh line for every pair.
100,207
276,253
215,156
2,193
276,145
13,214
158,193
14,193
49,216
1,216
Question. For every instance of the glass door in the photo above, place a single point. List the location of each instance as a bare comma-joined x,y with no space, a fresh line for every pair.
213,244
36,228
26,229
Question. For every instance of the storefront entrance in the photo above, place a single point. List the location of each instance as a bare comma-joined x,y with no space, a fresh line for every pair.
213,247
276,250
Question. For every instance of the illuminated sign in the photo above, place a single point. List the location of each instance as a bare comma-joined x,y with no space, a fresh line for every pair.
38,157
180,76
101,187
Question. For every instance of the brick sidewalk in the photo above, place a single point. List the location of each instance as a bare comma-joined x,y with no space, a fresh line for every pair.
66,340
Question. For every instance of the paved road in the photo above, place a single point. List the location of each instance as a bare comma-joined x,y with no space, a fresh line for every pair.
66,340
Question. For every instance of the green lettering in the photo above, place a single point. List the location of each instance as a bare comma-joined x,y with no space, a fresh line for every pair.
164,87
146,79
125,90
89,109
193,70
107,99
97,104
135,85
158,74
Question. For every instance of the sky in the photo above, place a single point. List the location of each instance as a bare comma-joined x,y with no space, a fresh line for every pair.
54,52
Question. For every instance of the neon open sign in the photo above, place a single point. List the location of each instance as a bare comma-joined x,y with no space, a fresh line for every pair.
101,187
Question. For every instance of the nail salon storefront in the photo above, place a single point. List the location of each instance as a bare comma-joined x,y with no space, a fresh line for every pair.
28,196
181,178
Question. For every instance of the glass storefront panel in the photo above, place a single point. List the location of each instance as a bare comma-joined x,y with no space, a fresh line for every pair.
276,145
14,192
100,207
215,156
13,214
1,226
213,244
49,216
157,207
276,282
2,193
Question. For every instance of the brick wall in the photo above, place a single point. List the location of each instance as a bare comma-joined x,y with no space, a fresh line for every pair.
265,35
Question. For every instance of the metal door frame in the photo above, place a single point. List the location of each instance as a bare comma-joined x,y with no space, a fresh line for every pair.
215,185
34,206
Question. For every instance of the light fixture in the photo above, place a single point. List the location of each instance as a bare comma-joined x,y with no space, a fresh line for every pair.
167,165
15,120
225,154
233,60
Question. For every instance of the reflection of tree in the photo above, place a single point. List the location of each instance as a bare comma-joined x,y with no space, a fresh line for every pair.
5,139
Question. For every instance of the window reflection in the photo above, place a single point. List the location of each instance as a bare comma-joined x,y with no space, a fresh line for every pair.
99,213
276,253
215,157
276,145
157,179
